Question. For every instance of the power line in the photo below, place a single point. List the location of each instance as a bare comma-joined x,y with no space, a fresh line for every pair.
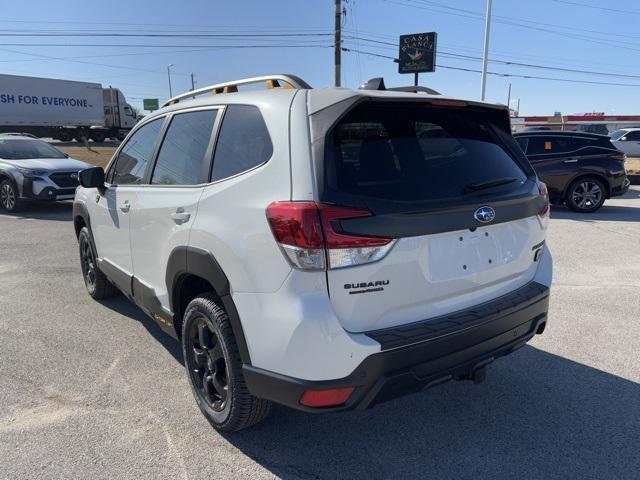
167,35
531,77
502,53
505,62
129,45
512,21
606,9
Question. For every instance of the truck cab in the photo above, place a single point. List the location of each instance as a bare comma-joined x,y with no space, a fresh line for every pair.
118,113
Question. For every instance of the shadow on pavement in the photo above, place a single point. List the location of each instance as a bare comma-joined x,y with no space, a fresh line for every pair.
610,213
56,211
538,415
120,304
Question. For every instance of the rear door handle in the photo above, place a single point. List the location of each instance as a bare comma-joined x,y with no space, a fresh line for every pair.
180,216
125,206
571,160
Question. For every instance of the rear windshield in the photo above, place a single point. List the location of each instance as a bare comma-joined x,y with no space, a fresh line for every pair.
417,153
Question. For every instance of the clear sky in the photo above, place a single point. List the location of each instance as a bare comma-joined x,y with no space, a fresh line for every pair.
564,36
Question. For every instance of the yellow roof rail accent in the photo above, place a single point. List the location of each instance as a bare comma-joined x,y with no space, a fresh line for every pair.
285,81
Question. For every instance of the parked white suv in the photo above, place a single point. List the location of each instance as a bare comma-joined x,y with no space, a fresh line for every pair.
324,249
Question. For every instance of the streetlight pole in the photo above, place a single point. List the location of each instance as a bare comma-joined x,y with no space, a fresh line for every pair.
169,77
337,41
487,30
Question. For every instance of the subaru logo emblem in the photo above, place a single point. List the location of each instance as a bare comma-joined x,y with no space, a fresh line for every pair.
74,176
484,214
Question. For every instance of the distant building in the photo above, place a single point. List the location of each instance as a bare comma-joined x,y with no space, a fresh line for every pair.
581,121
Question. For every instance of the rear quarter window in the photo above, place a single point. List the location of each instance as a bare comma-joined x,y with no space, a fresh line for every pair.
543,145
243,142
416,152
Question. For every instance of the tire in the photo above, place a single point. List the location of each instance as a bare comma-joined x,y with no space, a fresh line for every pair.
214,367
586,195
96,282
98,137
9,198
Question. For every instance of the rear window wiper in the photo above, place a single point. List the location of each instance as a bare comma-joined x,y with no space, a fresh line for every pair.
474,187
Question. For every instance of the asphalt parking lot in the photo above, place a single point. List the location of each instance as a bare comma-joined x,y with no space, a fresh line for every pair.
90,390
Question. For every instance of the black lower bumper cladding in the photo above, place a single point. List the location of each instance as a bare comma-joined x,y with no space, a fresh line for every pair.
423,354
47,193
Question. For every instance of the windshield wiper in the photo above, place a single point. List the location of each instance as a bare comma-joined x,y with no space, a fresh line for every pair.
474,187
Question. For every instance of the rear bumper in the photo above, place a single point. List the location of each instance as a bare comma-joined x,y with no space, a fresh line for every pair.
621,189
418,358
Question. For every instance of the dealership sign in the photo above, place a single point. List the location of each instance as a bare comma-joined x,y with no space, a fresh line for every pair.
150,104
417,53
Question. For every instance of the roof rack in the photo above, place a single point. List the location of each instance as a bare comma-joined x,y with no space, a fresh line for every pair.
377,83
271,81
19,134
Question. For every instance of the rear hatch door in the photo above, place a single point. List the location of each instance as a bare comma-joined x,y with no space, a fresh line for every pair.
449,185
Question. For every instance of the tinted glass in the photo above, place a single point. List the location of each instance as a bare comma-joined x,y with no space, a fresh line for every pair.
181,160
243,142
617,134
22,149
540,145
415,153
134,157
633,136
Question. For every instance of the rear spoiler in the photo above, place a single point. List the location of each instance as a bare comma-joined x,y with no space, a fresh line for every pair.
377,83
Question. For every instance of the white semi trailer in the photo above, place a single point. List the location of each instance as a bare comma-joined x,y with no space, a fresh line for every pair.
63,109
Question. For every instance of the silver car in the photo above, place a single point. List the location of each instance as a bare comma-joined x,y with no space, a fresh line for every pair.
627,140
31,169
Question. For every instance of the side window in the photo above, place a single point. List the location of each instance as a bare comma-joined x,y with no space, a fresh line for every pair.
549,145
132,161
243,142
633,136
181,160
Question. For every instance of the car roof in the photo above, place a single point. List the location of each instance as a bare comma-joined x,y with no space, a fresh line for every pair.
317,99
558,133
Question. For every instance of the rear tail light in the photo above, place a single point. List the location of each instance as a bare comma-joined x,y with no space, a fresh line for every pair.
326,398
620,156
545,210
310,236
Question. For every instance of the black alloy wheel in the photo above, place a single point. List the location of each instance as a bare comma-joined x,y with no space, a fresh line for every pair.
214,367
88,264
97,284
207,365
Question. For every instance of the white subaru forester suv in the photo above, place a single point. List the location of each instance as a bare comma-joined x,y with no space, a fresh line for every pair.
325,249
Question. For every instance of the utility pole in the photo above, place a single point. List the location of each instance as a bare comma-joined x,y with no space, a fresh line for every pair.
169,77
193,82
337,48
485,56
509,100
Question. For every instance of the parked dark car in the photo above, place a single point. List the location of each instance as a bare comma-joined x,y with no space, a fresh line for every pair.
580,169
598,128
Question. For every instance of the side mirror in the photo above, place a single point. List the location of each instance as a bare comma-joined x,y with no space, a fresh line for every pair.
92,177
623,139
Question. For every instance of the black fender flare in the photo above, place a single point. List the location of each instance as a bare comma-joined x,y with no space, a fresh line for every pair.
80,211
185,261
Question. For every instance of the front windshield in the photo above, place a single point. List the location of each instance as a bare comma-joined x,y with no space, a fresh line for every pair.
23,149
615,135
